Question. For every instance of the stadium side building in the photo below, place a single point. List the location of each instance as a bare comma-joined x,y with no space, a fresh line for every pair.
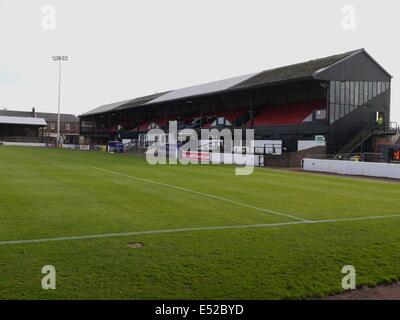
338,98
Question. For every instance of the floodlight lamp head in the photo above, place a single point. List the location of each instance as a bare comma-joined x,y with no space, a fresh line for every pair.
60,58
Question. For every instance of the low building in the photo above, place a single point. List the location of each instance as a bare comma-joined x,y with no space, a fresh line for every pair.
69,127
32,126
20,128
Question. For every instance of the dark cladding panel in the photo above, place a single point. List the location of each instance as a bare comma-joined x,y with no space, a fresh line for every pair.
358,67
359,88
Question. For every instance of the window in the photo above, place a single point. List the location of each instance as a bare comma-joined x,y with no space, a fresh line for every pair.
361,99
53,126
67,127
356,93
379,88
320,115
347,98
342,92
337,92
365,99
370,85
351,96
332,92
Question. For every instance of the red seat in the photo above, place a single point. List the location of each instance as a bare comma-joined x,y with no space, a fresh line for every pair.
290,113
144,126
230,115
233,115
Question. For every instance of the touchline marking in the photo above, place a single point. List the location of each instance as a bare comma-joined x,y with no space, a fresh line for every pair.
204,194
180,230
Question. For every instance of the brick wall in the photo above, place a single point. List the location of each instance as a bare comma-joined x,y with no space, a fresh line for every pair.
292,159
74,127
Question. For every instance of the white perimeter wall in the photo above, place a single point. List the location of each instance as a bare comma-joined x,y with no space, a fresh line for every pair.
224,158
358,168
271,146
24,144
240,159
307,144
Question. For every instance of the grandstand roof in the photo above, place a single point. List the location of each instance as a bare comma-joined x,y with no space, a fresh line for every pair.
106,107
23,121
64,117
141,100
293,72
206,88
125,104
299,71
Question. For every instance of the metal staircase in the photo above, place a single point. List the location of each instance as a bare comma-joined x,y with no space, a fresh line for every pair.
357,141
360,138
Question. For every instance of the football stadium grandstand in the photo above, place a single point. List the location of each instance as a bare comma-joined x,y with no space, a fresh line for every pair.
337,104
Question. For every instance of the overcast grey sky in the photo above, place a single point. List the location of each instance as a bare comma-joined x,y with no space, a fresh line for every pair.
122,49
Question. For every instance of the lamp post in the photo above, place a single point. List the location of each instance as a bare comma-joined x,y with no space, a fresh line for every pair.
59,59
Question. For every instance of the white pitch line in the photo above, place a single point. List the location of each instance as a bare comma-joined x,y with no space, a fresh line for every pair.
212,196
181,230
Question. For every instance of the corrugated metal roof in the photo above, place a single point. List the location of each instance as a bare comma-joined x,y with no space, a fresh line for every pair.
141,100
125,104
106,108
201,89
23,121
293,72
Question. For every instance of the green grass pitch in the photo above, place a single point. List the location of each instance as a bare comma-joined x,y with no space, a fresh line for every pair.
50,193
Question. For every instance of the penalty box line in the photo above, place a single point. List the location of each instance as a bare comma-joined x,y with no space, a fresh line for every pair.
181,230
208,195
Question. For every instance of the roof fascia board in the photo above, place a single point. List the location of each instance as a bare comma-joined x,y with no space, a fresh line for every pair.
338,62
350,56
378,64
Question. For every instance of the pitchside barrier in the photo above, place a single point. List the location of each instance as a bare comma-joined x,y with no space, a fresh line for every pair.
23,144
224,158
357,168
365,156
85,147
